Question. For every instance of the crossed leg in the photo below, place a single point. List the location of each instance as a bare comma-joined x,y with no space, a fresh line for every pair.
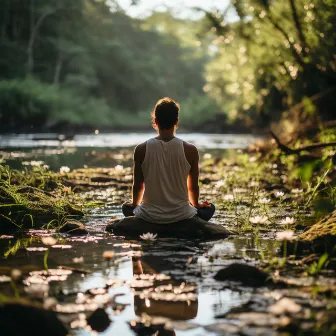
205,213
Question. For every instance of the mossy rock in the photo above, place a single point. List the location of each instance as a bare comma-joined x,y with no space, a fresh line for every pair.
322,231
131,227
29,207
74,228
21,317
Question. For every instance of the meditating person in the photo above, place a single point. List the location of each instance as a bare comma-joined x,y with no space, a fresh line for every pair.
166,174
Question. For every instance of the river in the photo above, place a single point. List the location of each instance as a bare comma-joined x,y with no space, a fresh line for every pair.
134,274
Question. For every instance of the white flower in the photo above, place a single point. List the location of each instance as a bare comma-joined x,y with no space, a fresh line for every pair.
222,249
228,197
279,194
285,235
264,200
207,156
252,159
297,191
33,163
119,167
79,260
46,167
37,290
108,254
148,236
288,221
36,163
284,306
219,184
258,219
64,170
16,274
254,184
49,241
239,190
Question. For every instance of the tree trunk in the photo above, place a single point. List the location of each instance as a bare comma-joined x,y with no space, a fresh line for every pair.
4,22
58,69
33,34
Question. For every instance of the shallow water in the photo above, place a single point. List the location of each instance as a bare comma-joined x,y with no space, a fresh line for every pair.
117,140
191,312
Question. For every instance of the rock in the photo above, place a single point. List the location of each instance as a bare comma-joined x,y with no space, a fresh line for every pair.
245,274
188,228
73,211
260,319
223,328
99,320
74,228
323,232
24,318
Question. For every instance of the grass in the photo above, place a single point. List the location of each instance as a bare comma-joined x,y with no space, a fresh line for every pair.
24,205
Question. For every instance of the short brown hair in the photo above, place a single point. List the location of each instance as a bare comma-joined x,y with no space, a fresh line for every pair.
165,113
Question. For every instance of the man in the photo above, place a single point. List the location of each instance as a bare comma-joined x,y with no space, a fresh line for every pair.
166,172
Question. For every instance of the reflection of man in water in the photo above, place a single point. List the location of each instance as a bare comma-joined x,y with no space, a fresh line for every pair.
166,173
179,310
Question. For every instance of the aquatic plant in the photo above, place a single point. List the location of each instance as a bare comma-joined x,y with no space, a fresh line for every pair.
288,221
285,235
258,219
316,267
279,194
48,241
148,236
64,170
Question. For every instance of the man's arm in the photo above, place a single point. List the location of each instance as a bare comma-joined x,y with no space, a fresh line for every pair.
138,178
192,181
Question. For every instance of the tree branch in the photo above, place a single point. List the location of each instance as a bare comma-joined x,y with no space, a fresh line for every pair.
295,54
288,150
298,25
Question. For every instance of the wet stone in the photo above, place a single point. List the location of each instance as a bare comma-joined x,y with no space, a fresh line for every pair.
189,228
99,320
23,318
223,328
74,228
260,319
245,274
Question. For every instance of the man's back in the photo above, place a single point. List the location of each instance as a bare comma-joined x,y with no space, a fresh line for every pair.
165,168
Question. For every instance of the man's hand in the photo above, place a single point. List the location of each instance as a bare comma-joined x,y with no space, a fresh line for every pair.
129,204
205,204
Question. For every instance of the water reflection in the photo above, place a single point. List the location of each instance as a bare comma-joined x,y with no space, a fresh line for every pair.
162,286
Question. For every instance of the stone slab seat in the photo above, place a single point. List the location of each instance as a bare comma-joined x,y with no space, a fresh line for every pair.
195,227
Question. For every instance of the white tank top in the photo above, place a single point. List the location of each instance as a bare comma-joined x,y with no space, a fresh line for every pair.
165,169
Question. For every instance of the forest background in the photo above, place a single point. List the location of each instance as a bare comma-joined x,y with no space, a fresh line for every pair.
81,65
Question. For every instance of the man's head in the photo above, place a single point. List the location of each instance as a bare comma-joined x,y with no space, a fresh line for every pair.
165,114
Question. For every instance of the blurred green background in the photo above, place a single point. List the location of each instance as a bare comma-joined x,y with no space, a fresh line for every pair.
78,65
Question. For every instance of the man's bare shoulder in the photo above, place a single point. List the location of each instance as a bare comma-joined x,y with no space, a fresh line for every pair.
190,151
140,151
190,148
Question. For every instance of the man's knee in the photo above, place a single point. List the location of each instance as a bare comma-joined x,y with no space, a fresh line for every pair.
211,209
127,210
207,212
